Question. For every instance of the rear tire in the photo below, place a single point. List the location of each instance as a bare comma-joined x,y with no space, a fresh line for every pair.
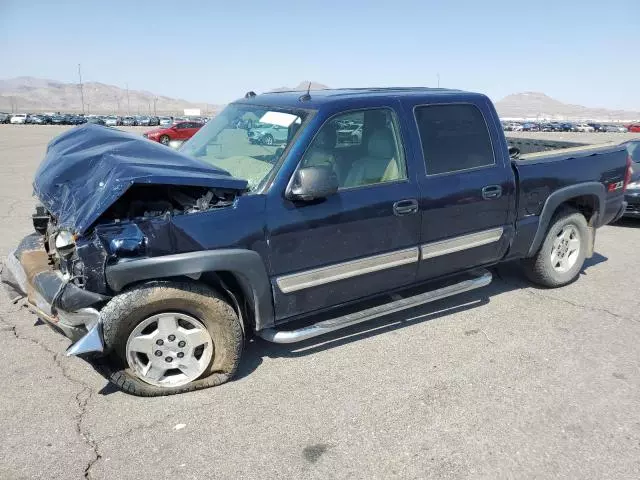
562,254
125,317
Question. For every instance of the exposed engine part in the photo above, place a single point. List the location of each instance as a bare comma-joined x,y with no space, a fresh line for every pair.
145,201
40,219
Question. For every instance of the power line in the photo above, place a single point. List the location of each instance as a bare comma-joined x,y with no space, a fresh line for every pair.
81,89
128,102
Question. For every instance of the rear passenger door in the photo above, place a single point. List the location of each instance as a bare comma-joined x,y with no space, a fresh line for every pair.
467,188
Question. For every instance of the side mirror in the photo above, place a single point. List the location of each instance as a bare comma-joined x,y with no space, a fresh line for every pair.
514,152
312,183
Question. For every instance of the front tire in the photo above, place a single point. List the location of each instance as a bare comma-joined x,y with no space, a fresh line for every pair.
171,337
563,251
164,139
267,140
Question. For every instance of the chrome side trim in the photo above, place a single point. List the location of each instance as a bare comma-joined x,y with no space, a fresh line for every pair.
479,279
456,244
320,276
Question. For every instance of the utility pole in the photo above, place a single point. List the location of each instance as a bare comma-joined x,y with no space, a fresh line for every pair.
128,101
155,113
81,89
438,75
118,102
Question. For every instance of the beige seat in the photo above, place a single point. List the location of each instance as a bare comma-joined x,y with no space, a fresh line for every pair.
380,164
321,152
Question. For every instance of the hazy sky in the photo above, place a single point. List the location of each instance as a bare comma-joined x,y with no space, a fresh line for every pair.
579,51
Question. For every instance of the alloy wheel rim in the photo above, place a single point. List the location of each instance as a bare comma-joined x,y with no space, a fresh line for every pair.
566,249
169,349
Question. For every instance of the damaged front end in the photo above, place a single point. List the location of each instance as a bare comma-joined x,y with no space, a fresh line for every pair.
55,296
106,196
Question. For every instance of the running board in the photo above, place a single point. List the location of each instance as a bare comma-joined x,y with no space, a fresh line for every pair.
481,278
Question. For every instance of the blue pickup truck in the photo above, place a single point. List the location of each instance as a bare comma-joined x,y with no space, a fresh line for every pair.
161,262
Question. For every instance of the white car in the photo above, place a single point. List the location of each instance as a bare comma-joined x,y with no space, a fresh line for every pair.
19,118
583,127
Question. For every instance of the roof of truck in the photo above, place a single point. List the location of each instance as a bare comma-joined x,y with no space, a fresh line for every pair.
345,95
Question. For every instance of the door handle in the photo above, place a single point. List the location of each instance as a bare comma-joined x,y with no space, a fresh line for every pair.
491,191
405,207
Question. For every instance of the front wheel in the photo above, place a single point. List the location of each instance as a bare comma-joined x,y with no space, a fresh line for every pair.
563,251
164,139
171,337
267,139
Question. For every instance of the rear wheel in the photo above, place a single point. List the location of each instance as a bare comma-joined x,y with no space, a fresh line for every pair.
164,139
562,254
171,337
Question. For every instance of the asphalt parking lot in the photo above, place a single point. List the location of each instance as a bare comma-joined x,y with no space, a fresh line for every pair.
506,382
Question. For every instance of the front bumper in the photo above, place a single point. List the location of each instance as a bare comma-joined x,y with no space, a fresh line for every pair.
64,306
633,204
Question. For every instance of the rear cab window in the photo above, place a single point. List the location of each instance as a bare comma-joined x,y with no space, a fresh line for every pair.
454,138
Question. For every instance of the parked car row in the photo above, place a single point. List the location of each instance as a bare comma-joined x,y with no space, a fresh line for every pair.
108,120
569,127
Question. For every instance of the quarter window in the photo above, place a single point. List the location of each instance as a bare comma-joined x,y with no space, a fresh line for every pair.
362,147
454,138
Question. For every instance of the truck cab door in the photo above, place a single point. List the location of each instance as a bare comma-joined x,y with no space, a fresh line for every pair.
357,242
467,188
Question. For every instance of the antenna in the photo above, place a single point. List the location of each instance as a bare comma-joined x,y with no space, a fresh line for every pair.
307,96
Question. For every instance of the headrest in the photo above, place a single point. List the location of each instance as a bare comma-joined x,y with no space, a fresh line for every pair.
381,144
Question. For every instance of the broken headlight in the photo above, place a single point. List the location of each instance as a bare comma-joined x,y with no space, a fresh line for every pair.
65,243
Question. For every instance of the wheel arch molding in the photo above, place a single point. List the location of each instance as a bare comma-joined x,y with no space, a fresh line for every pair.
594,191
245,265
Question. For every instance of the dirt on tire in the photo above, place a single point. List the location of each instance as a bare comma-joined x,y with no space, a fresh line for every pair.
125,311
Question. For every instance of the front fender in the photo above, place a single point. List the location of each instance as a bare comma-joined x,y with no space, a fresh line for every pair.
246,265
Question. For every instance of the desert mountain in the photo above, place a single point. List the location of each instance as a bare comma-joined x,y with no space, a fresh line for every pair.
28,94
539,105
302,87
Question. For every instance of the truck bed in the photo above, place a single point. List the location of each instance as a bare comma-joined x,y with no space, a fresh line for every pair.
541,174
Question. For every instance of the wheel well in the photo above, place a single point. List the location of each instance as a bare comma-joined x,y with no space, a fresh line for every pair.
226,283
585,204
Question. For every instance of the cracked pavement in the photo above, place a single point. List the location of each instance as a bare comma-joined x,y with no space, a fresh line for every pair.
508,381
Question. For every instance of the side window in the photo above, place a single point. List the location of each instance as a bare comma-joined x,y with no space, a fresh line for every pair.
454,138
349,129
180,126
363,148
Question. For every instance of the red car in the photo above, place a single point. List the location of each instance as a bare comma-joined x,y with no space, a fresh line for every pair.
634,127
180,131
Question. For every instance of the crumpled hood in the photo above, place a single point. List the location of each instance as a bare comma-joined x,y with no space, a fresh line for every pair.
87,168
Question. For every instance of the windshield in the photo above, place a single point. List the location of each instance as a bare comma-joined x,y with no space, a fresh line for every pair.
245,140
